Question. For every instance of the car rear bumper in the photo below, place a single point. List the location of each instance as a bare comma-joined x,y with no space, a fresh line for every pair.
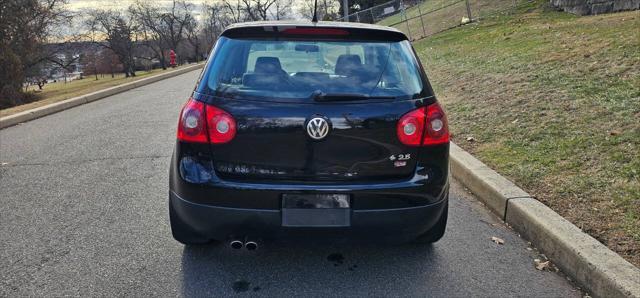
385,225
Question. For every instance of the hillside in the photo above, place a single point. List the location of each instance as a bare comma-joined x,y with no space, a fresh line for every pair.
552,101
440,15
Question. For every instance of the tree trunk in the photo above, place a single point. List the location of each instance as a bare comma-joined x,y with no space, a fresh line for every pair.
197,51
132,69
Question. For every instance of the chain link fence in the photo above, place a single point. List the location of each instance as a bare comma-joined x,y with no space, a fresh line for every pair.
419,19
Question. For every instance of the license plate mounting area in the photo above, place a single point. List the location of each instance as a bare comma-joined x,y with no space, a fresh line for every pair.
316,210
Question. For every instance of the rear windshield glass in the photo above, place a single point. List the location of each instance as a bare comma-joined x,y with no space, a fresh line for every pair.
301,70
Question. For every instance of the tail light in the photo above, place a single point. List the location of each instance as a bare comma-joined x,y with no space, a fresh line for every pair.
423,127
411,127
222,127
192,126
202,123
437,130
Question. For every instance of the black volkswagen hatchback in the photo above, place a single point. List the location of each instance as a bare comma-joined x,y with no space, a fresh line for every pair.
310,130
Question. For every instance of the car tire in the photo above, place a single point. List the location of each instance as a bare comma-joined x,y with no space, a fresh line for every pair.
437,231
182,232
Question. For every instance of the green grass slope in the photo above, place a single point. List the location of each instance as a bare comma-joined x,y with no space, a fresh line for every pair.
433,16
552,101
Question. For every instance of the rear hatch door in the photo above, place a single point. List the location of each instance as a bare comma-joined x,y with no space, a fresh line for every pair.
359,85
277,141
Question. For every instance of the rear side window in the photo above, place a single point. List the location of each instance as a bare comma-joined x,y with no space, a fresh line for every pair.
286,70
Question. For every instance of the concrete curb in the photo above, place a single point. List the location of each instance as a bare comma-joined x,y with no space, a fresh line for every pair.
493,189
76,101
599,270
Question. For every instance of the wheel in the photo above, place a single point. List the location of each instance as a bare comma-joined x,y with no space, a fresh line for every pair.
182,232
435,233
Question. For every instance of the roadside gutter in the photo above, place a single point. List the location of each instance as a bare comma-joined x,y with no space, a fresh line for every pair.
599,270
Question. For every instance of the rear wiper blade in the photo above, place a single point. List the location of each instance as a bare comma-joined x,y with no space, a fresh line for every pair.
321,96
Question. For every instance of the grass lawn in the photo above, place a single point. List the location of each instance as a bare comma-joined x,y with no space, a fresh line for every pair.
59,91
439,15
415,10
552,101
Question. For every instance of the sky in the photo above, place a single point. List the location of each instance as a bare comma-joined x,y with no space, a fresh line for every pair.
116,4
79,5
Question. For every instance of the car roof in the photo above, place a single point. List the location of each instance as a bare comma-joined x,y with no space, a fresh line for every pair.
359,30
323,24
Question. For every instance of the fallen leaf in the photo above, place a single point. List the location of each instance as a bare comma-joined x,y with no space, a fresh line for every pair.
541,265
497,240
614,132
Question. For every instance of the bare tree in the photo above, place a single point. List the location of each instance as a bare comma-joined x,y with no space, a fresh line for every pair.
66,60
26,26
327,9
89,61
213,20
235,11
164,28
281,9
150,28
258,10
174,23
119,34
193,35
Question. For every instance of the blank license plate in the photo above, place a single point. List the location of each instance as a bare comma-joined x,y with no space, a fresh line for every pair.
316,210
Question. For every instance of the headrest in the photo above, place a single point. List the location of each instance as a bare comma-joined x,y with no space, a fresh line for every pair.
268,65
347,64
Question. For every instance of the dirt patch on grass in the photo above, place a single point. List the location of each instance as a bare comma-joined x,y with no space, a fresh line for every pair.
553,102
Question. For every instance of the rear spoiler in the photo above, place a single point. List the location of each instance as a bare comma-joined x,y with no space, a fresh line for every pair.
347,33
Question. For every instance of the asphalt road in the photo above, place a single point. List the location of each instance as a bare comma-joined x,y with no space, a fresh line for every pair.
83,212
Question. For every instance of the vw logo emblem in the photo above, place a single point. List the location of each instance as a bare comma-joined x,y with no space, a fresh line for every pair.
318,128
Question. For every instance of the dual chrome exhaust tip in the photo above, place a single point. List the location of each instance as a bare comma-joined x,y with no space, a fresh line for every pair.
249,245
